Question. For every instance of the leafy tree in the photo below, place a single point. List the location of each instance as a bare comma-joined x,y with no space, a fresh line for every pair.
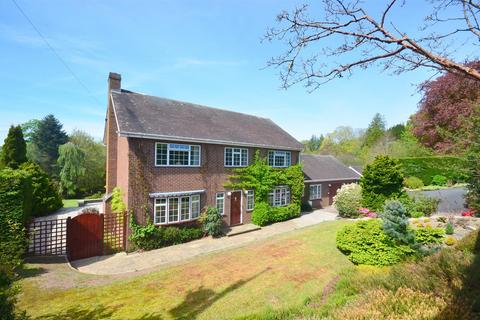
396,131
47,138
71,162
344,143
314,143
46,198
395,222
381,180
375,131
473,157
94,178
29,128
443,121
14,150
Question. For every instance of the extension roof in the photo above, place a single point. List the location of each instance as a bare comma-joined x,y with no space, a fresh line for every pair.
143,116
319,168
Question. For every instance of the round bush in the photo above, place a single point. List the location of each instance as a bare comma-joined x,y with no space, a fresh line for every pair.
439,180
364,242
413,183
348,200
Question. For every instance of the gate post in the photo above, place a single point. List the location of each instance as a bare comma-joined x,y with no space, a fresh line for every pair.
68,240
125,217
102,228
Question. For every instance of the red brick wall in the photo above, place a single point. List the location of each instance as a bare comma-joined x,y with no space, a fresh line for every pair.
145,177
324,201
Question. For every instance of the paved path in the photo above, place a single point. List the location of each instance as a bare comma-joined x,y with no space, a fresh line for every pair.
452,200
123,263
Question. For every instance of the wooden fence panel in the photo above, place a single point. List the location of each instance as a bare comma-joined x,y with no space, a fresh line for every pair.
48,237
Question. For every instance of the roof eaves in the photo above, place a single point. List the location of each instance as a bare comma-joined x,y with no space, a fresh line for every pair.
333,179
197,140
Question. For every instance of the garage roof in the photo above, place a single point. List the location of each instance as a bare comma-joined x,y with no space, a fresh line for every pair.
318,168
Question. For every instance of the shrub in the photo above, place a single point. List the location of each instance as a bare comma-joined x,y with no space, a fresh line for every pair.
46,198
151,237
90,210
117,201
439,180
449,229
381,180
264,214
413,183
348,200
212,222
419,205
429,235
306,207
365,242
426,167
395,223
15,195
450,241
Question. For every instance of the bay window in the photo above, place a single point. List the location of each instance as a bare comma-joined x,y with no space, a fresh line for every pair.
176,209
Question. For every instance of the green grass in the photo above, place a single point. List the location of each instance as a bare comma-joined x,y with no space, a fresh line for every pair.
276,274
70,203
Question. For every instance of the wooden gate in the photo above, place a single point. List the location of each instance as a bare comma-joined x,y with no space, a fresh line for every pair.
85,236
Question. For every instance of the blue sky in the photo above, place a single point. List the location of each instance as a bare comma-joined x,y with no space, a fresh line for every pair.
207,52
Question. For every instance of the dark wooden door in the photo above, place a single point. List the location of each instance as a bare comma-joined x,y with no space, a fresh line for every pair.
85,236
332,191
235,208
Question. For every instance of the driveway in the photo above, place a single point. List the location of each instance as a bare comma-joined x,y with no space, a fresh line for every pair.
137,261
64,213
451,200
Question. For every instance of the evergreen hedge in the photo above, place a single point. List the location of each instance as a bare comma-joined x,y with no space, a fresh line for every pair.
15,195
425,168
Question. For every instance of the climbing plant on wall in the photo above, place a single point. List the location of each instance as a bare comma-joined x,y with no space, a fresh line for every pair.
262,178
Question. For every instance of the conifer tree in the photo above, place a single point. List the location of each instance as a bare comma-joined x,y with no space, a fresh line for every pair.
14,149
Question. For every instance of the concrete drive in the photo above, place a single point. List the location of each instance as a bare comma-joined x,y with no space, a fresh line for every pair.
123,263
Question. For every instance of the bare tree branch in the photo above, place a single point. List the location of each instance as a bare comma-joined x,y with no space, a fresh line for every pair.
368,40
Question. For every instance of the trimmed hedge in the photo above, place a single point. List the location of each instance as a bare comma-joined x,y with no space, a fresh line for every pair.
15,195
264,214
425,168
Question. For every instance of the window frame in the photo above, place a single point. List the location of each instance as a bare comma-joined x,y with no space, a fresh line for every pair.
284,196
250,193
190,153
318,192
191,199
241,165
222,193
287,156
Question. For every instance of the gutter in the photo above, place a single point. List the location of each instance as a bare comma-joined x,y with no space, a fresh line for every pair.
208,141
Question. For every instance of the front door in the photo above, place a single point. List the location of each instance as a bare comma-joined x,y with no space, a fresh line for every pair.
235,208
332,191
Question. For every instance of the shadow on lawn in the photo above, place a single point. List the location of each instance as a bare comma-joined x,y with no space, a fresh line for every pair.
202,298
465,303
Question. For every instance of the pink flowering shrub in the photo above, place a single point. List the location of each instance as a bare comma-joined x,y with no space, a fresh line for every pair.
468,213
367,213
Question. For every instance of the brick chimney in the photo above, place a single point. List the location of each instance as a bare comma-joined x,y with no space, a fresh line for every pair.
111,138
114,81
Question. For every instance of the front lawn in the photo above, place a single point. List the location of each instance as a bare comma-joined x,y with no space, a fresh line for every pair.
273,274
70,203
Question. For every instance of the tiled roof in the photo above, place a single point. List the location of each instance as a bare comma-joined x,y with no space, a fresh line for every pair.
145,116
326,168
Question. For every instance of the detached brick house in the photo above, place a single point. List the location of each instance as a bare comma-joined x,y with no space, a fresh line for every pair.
172,158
